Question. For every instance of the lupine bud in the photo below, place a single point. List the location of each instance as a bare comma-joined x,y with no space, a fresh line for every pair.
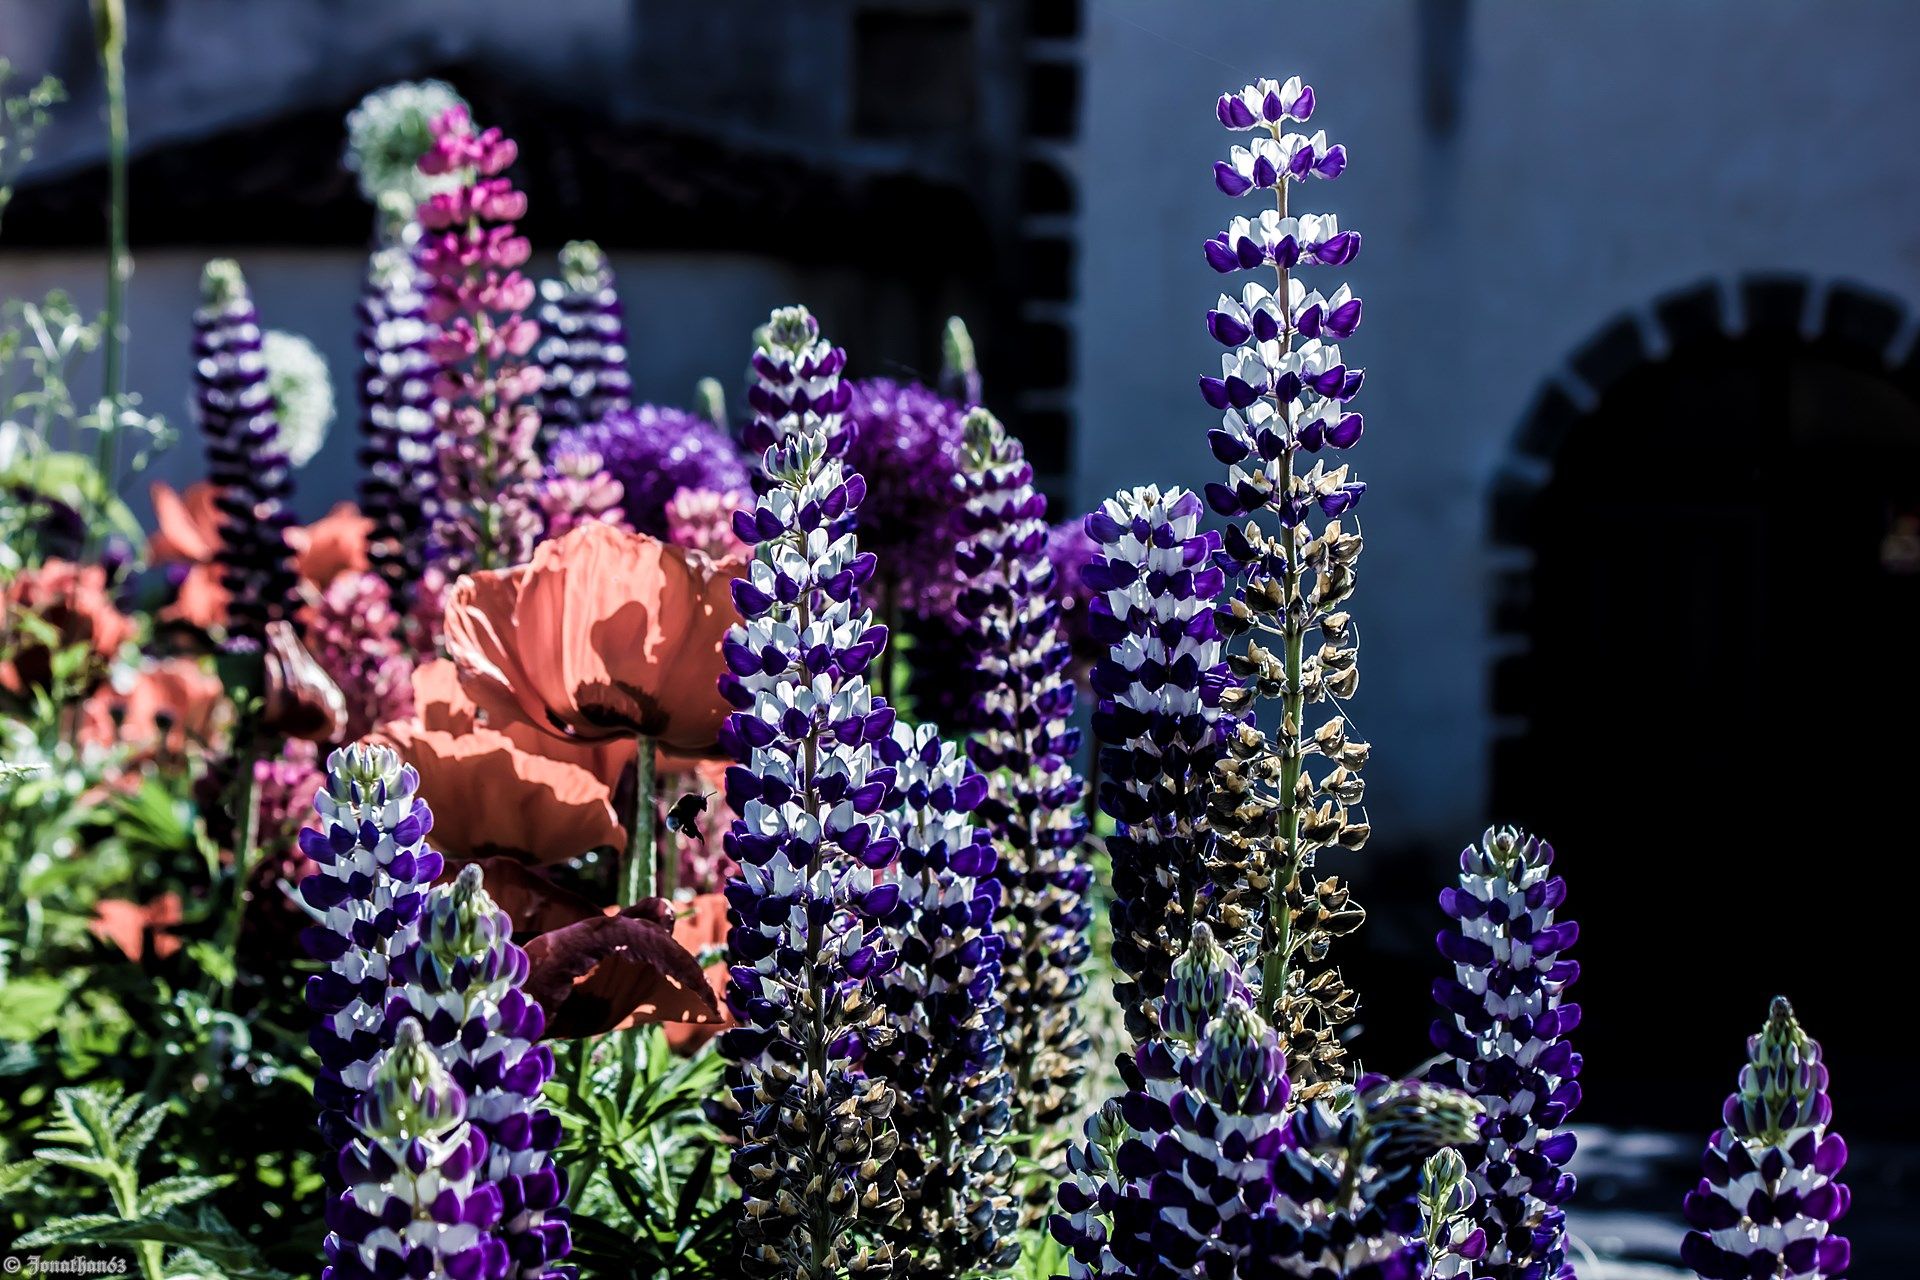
1505,1043
1454,1241
1768,1201
1204,978
959,366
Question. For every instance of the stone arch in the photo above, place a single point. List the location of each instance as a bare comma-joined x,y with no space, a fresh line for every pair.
1707,550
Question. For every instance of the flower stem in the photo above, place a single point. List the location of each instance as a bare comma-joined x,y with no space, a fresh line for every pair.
638,878
113,66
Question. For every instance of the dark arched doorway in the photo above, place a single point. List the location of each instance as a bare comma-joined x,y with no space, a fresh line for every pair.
1713,703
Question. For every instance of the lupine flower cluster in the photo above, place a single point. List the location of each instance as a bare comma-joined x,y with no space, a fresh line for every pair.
462,979
246,461
416,1202
945,1062
371,873
1283,390
1020,703
470,255
583,342
1504,1041
1208,1166
806,945
354,633
1768,1201
430,972
655,453
399,481
1454,1241
1161,720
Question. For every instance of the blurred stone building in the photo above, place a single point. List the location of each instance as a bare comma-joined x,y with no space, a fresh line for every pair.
1643,397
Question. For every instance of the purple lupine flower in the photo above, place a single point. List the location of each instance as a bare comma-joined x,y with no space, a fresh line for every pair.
1284,389
582,352
806,944
246,460
469,256
1020,700
1455,1242
398,480
417,1202
655,453
1347,1182
463,980
1504,1042
372,870
1768,1202
946,1062
1161,723
906,440
353,631
575,489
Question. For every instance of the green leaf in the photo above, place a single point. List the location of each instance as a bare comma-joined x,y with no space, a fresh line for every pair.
30,1007
17,1175
80,1161
208,1236
62,1230
171,1193
136,1136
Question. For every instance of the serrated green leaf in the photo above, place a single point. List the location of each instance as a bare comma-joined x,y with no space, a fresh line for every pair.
66,1230
171,1193
17,1174
30,1007
215,1243
137,1135
91,1165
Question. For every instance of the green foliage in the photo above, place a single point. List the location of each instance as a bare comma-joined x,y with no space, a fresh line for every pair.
650,1190
98,1137
22,116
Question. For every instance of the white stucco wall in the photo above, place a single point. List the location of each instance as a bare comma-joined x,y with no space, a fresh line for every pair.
1606,153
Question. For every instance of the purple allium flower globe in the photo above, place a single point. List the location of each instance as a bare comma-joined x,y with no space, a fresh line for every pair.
906,440
1769,1198
655,453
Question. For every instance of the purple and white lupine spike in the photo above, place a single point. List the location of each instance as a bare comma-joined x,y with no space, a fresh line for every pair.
1018,714
1768,1202
946,1062
806,945
417,1201
1347,1182
399,479
246,459
372,874
462,980
582,351
1455,1242
1505,1043
1161,722
1285,389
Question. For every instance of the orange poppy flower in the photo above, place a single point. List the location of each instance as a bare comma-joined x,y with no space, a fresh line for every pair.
187,531
490,798
133,926
440,703
604,634
72,601
332,545
173,704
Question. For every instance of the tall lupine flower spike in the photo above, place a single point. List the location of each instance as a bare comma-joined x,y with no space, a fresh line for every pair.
1768,1202
246,459
1162,720
399,481
583,342
470,255
1020,705
372,870
1505,1043
806,944
463,981
416,1202
1284,389
946,1062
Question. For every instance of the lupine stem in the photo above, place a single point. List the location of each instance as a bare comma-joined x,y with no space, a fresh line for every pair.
1278,943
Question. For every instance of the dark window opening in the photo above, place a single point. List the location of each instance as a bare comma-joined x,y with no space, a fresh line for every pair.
914,73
